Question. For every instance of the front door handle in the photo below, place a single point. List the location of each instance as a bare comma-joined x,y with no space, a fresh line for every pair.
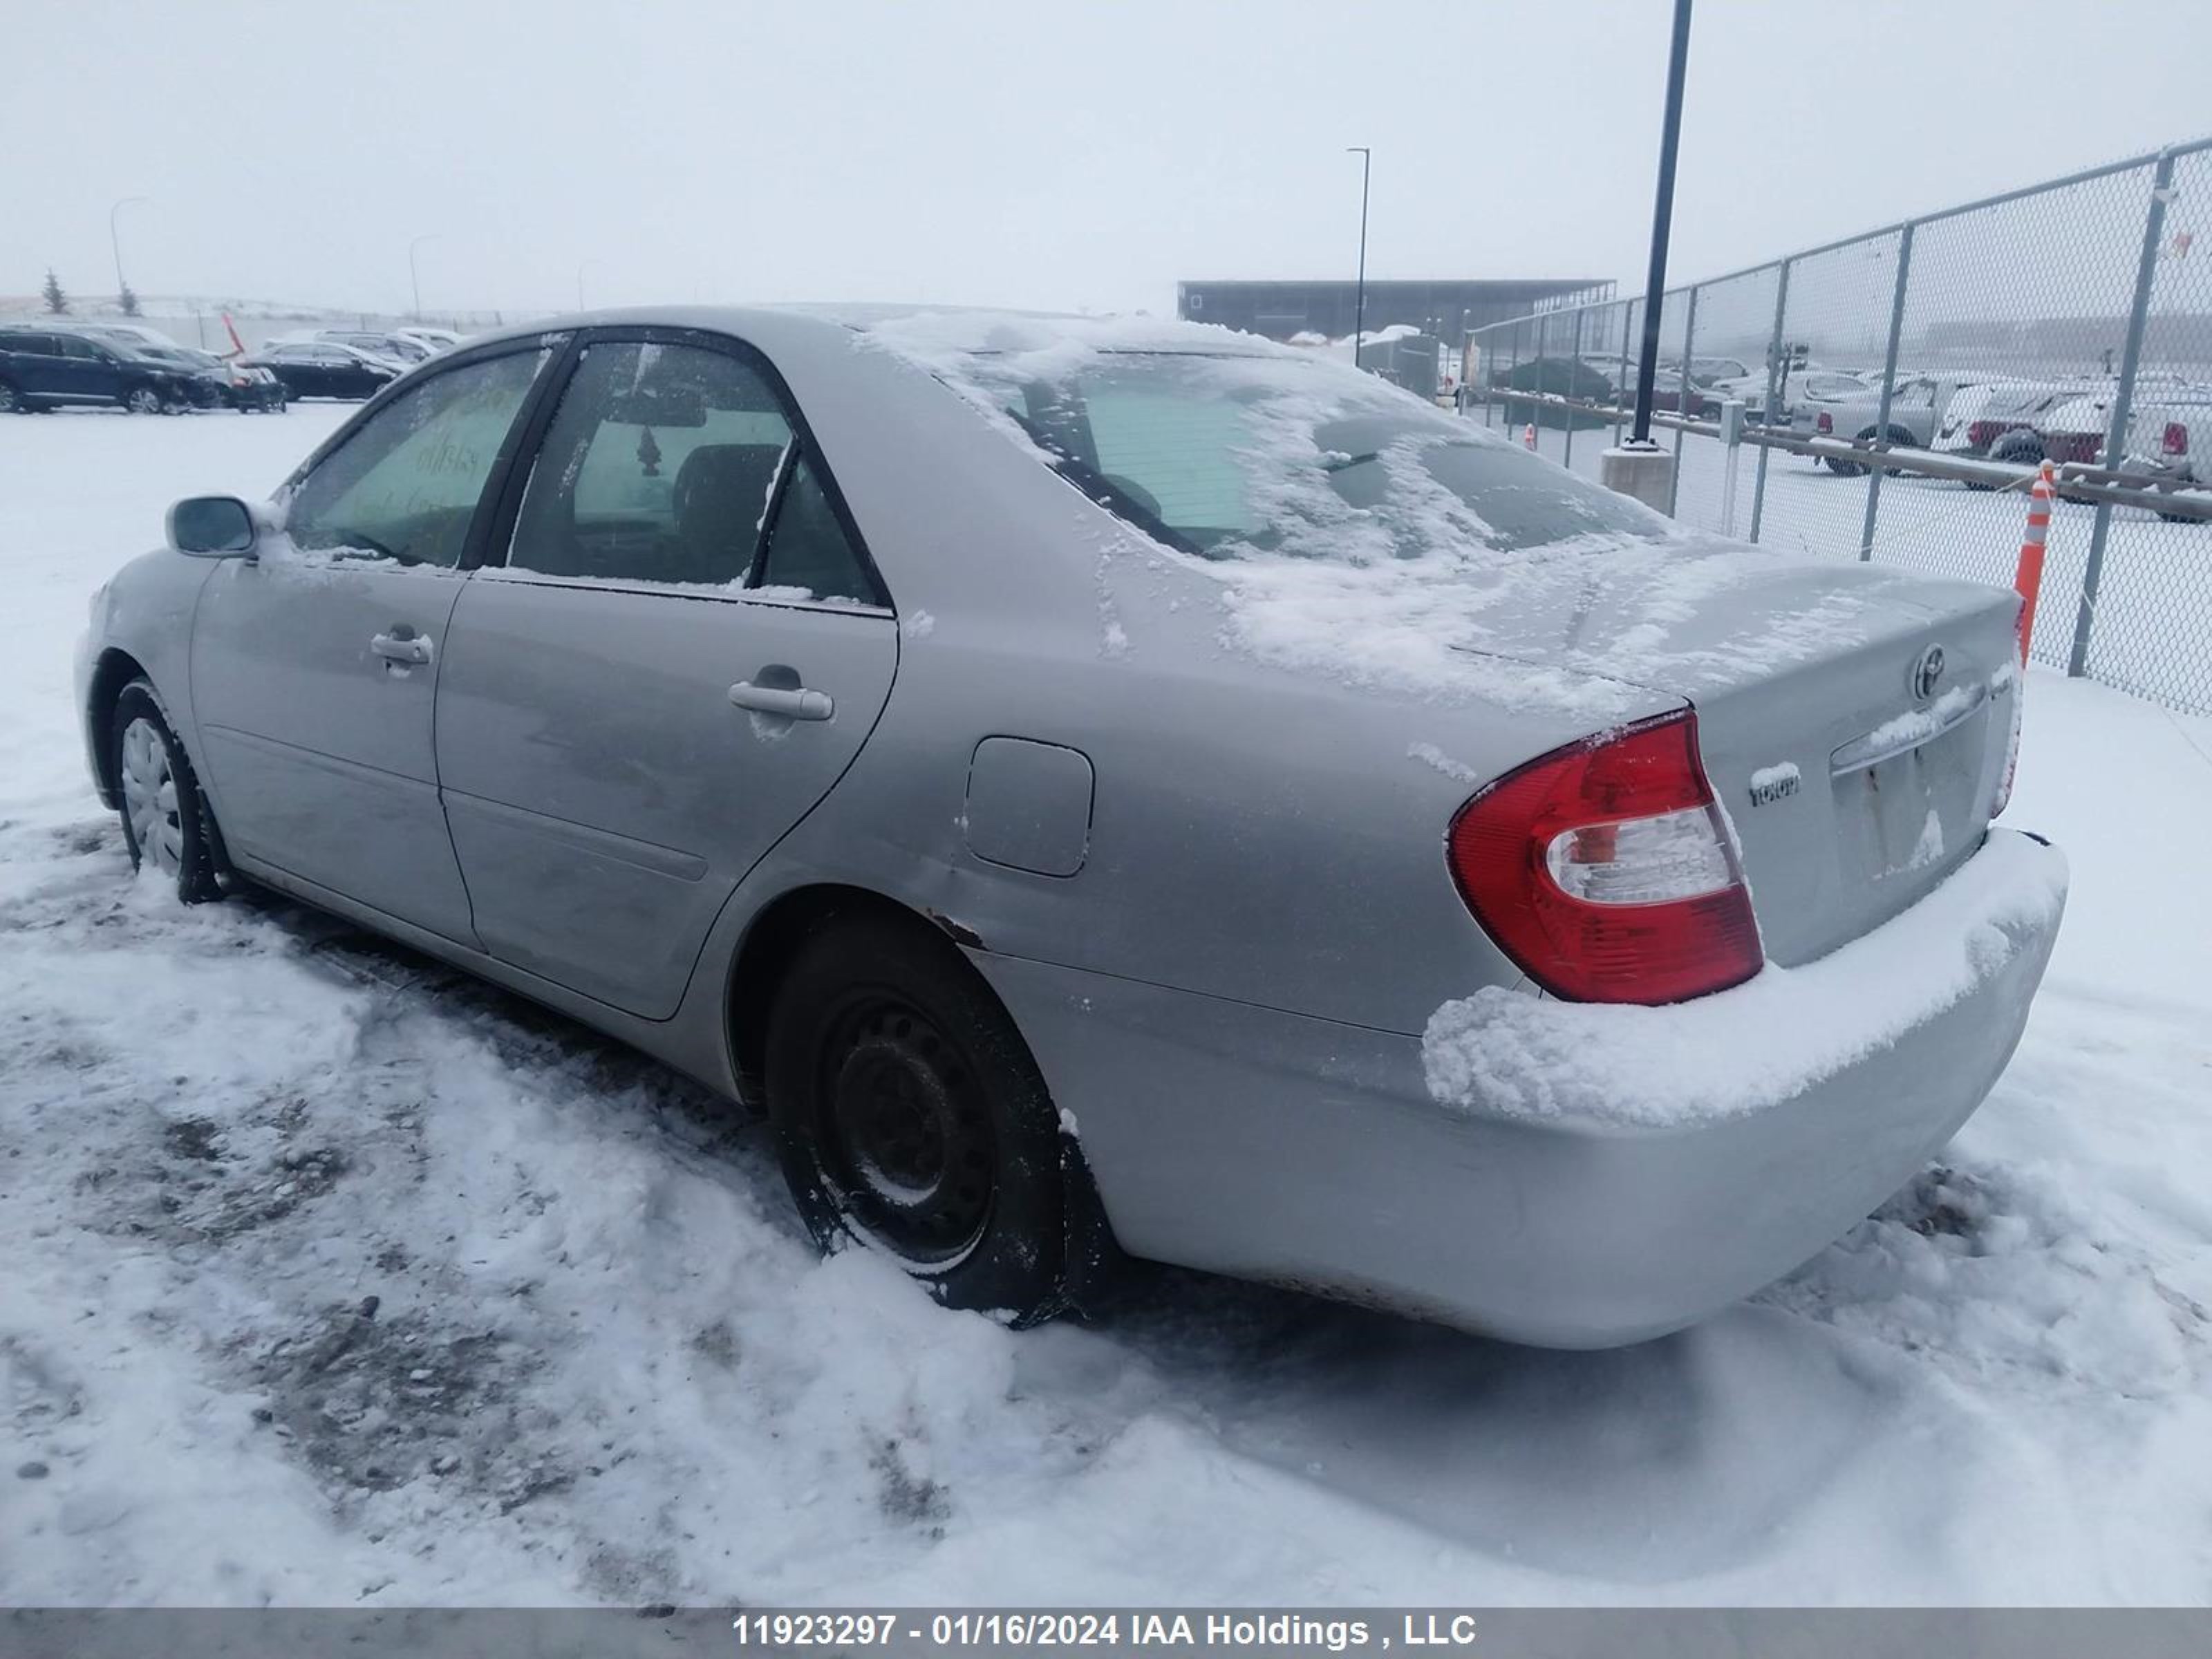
406,645
792,702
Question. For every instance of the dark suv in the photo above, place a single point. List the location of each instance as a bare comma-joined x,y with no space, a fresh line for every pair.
43,368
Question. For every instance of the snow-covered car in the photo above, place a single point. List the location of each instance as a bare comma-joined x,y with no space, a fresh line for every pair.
392,345
1096,781
432,340
2000,417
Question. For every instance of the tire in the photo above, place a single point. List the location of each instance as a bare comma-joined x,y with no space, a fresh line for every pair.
165,819
10,402
911,1120
142,400
2018,448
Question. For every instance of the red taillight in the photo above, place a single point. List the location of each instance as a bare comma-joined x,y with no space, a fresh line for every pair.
1825,423
1980,434
1604,871
2176,442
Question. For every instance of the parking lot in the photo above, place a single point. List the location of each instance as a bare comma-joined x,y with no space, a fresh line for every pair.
334,1277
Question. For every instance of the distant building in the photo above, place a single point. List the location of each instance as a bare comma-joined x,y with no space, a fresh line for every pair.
1445,309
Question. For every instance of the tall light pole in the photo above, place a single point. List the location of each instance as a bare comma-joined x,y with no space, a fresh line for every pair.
115,243
581,266
1359,301
1662,219
414,273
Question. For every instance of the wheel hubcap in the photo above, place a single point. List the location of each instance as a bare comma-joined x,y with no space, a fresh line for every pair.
905,1135
150,796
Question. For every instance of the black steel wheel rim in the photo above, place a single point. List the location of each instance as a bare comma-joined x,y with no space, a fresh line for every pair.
903,1131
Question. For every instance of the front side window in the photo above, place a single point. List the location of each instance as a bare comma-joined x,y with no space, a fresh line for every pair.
406,483
659,466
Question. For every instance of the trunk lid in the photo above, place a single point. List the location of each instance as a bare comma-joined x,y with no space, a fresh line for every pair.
1854,719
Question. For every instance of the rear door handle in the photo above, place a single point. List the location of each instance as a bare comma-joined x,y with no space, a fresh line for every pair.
410,647
792,702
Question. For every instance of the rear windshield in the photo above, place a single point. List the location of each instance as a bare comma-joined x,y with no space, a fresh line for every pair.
1227,457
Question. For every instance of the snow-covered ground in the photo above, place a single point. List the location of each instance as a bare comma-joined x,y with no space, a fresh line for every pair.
331,1277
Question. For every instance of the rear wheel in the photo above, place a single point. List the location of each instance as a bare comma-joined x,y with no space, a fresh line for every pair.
166,820
911,1118
10,404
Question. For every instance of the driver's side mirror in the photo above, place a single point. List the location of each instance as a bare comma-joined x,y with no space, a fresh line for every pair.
211,526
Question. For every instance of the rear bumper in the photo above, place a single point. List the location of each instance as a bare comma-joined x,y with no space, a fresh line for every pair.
1271,1147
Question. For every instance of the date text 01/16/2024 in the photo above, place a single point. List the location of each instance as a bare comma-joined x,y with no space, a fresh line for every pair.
1165,1631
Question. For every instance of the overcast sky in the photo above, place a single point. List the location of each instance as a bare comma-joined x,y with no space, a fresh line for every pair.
1048,154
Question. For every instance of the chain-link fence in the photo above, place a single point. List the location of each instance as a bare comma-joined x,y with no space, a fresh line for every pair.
1900,389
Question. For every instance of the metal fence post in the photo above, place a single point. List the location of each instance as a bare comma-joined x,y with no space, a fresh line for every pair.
1888,392
1574,371
1536,381
1773,392
1682,402
2116,438
1620,382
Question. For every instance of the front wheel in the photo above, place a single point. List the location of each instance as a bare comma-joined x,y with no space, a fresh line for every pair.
166,821
142,400
910,1118
10,402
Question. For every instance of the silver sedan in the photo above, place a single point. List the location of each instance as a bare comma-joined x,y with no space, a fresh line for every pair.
1116,786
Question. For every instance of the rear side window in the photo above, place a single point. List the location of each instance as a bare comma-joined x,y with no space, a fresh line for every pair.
807,547
406,483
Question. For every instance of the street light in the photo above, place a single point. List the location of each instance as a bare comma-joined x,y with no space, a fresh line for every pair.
1663,216
115,242
1359,303
414,274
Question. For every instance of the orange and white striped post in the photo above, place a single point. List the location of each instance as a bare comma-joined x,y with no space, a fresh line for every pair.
2027,580
1528,437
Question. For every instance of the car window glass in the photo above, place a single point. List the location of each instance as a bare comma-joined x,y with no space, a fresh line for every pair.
658,467
1232,456
807,547
84,349
406,483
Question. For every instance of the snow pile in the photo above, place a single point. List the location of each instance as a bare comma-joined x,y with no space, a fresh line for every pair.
1507,1054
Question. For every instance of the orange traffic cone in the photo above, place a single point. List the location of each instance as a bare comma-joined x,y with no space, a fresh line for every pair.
2027,580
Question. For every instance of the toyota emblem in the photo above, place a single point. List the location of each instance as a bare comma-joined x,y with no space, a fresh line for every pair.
1927,673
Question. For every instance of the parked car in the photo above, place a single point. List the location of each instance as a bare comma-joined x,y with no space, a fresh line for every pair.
432,340
236,386
1915,409
1710,372
1998,417
393,346
1112,782
323,369
1668,392
2160,420
48,368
